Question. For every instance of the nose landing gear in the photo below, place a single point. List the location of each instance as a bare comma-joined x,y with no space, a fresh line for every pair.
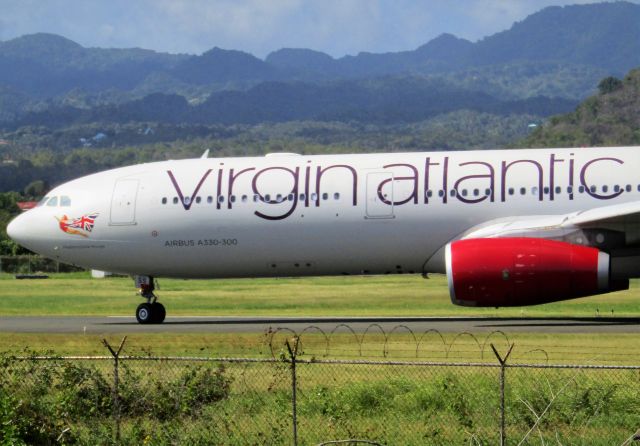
150,312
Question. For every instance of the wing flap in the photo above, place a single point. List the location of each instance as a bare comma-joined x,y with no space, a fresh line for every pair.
624,213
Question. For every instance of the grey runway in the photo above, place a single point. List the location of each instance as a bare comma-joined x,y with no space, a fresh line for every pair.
212,324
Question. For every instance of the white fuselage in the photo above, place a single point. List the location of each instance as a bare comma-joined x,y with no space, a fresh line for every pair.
289,215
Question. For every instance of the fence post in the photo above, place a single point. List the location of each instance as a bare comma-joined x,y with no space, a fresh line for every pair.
293,353
116,382
503,366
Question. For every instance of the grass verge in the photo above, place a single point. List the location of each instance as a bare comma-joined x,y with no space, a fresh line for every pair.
78,294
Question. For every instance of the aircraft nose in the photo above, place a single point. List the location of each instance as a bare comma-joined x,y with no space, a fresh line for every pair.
18,229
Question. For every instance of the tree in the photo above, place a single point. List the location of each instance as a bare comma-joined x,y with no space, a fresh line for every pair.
8,210
609,84
35,189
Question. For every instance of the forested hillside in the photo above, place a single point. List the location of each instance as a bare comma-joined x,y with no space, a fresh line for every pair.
377,101
609,118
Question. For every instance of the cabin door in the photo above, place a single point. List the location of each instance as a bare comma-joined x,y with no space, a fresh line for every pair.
379,195
123,203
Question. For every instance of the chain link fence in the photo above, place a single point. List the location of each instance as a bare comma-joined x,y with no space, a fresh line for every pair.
32,264
291,399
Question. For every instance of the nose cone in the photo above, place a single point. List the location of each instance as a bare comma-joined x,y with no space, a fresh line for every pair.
13,229
19,230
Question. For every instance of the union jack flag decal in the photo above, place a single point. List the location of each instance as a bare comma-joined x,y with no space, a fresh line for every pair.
78,226
85,222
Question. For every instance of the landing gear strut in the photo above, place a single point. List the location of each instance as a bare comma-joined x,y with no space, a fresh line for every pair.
150,312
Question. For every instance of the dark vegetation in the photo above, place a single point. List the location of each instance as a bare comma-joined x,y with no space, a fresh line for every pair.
8,210
385,101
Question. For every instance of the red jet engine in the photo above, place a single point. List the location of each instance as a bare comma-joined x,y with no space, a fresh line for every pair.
508,272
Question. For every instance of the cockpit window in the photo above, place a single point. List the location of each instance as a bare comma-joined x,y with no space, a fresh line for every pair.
65,201
43,201
53,202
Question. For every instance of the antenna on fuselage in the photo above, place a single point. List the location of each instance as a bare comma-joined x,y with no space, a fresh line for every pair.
205,155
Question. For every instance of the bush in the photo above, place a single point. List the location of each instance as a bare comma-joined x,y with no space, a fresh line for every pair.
195,388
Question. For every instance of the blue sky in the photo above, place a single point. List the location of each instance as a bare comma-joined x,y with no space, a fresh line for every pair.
337,27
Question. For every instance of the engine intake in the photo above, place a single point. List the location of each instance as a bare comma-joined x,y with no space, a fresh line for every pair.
508,272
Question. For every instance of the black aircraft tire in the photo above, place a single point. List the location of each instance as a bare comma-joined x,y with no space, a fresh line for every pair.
145,313
159,313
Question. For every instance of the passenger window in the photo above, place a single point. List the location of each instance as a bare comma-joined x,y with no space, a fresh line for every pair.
487,192
558,190
325,196
53,202
244,198
429,193
534,190
291,197
546,190
164,200
65,201
267,198
175,200
186,200
209,199
511,191
605,188
198,200
232,198
440,193
581,189
452,193
221,199
628,188
616,188
476,192
523,190
314,196
569,189
464,192
302,197
593,189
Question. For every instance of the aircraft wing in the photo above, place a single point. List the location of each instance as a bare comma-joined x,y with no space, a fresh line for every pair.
625,213
621,221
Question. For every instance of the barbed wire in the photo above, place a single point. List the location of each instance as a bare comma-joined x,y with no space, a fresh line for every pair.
417,343
374,340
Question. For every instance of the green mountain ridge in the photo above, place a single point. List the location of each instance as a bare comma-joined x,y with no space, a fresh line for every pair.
376,101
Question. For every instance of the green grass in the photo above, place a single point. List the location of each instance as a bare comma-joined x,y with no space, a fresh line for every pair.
540,348
78,294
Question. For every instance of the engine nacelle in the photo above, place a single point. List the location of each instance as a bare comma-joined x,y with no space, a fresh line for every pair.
507,272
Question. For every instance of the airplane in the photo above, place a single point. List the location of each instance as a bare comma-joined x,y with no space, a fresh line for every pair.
507,227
